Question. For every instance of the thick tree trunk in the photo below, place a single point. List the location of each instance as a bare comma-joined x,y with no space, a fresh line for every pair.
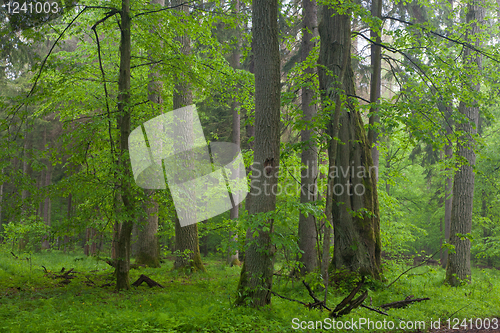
233,258
256,275
308,192
123,245
186,242
458,267
250,132
148,250
147,247
375,83
355,204
186,238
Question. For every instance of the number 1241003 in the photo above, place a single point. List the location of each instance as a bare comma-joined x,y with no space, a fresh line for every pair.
35,7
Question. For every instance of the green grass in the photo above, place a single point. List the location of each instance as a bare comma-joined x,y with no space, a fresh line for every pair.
33,301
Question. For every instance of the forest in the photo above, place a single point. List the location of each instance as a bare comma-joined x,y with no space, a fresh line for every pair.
250,166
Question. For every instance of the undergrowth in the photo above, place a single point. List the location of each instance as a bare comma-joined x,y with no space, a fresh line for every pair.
32,300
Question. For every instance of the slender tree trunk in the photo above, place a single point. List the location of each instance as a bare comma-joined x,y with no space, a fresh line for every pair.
375,82
486,228
90,247
356,236
93,244
308,191
458,267
448,151
122,260
46,206
256,275
117,226
24,192
88,236
186,238
66,237
234,212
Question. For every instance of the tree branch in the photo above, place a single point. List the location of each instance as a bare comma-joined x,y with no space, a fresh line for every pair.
468,45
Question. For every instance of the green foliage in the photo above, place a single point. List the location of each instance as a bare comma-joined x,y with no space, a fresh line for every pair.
203,303
27,234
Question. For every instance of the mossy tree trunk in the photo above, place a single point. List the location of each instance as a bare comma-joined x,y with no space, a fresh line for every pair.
352,186
307,233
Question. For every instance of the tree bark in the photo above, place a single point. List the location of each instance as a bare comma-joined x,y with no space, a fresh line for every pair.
256,275
24,192
354,206
46,205
66,240
233,257
375,83
308,191
448,151
186,238
250,132
148,250
123,246
458,267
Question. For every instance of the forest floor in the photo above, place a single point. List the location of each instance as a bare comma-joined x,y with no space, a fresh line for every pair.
37,296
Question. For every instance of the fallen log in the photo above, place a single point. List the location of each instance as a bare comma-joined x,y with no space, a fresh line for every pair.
151,283
403,303
349,303
317,302
66,275
373,309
